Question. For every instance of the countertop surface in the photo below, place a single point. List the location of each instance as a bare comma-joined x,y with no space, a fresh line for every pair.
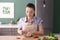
20,38
16,38
9,26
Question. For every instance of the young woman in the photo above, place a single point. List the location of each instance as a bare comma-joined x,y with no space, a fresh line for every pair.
30,24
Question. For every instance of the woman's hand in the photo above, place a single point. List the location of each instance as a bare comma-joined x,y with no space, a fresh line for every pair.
28,34
21,32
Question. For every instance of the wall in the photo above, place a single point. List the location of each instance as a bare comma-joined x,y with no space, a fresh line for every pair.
56,28
19,9
46,14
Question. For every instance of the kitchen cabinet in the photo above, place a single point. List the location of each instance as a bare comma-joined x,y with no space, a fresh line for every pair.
6,29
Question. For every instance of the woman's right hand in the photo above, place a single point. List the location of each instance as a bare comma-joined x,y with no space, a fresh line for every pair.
20,31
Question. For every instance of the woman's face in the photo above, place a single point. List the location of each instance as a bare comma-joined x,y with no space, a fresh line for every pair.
29,12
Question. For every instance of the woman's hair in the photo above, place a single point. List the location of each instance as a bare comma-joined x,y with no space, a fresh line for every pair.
31,5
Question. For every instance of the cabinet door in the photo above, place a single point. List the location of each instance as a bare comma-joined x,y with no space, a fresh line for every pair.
8,31
14,31
5,31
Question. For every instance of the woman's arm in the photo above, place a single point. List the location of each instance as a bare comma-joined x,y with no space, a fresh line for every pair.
41,30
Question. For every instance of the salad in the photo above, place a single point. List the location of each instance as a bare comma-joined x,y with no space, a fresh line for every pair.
49,37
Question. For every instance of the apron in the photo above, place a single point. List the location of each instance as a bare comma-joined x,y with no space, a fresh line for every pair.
28,27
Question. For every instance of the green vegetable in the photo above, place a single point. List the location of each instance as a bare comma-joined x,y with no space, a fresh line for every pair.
17,19
52,35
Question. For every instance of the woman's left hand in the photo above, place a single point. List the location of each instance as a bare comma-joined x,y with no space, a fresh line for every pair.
28,34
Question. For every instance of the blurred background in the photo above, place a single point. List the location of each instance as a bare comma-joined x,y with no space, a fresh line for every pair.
48,10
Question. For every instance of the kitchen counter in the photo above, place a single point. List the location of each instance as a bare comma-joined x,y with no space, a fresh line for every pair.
15,38
21,38
9,26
